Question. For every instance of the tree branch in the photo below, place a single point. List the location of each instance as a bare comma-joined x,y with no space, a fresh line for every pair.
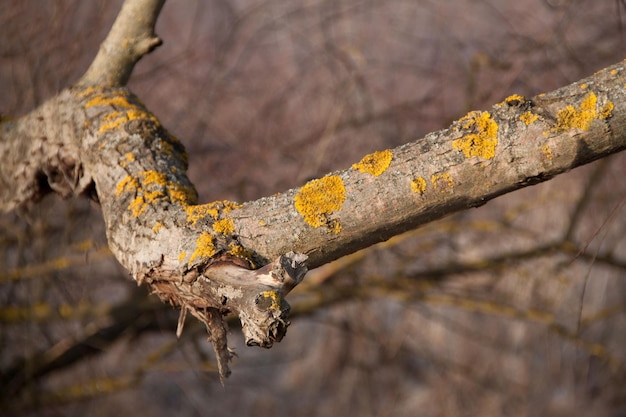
130,38
99,139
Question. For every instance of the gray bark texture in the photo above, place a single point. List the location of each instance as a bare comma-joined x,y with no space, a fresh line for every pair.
97,139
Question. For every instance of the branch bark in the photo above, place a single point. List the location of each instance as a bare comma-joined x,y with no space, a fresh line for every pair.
97,138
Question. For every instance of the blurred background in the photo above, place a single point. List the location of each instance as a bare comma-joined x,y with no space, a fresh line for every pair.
517,308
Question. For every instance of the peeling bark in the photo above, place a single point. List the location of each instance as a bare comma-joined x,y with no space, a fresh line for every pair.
96,138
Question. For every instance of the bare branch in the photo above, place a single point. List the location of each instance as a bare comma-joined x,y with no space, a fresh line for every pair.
131,37
213,259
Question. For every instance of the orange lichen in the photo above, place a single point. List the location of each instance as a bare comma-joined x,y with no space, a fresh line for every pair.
204,247
581,118
444,180
418,185
528,118
224,226
318,199
483,142
375,163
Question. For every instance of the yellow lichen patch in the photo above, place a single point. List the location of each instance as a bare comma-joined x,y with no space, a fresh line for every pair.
581,118
442,180
182,256
613,72
195,213
547,151
318,199
150,186
127,185
241,252
262,223
583,86
102,100
128,158
116,119
204,247
112,121
181,194
482,143
418,185
514,97
224,226
528,118
213,210
375,163
87,92
157,226
274,296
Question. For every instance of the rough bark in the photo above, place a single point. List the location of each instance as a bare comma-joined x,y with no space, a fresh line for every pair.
97,138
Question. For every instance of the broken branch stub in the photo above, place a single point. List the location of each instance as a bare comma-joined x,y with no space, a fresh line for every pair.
256,296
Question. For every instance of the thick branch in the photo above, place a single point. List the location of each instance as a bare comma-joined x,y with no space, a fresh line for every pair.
520,142
201,257
131,37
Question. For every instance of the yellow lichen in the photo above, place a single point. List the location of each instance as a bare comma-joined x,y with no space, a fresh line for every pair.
182,256
241,252
528,118
547,151
262,223
274,296
181,194
138,206
613,72
318,199
224,226
102,100
87,92
126,185
482,143
583,86
375,163
444,179
514,97
201,211
116,119
581,118
128,158
204,247
418,185
150,186
157,226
